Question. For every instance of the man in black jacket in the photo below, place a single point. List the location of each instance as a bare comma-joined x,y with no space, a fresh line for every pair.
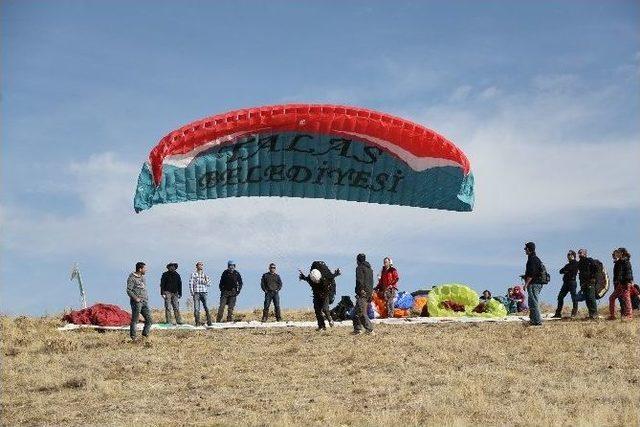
271,285
587,276
364,292
230,287
569,285
533,283
322,289
171,291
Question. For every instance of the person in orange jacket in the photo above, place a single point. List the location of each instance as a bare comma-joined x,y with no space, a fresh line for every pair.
388,284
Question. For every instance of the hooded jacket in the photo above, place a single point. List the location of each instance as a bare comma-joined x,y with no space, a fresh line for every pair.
364,279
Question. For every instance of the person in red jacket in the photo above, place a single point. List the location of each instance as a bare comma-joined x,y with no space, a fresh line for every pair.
388,284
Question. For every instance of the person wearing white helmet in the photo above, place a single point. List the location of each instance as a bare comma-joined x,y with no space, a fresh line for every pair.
322,282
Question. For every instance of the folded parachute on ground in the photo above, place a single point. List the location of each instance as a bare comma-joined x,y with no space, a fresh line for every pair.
310,151
99,314
455,300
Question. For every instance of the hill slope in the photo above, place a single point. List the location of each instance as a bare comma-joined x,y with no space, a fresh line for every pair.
568,372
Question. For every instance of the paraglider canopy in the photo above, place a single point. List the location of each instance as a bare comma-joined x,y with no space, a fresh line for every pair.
307,150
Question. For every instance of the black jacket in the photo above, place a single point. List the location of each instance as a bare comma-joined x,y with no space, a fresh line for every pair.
230,282
622,272
569,271
171,282
534,268
271,282
364,279
586,271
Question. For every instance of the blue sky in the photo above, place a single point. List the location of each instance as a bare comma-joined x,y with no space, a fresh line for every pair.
543,98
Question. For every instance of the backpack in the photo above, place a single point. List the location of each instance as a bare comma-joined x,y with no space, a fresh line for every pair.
600,277
544,275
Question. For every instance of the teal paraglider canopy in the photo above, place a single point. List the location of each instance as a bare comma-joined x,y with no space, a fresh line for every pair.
309,151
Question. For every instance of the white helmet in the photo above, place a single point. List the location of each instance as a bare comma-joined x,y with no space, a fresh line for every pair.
315,276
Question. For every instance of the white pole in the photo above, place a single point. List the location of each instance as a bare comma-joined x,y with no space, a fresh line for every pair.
75,274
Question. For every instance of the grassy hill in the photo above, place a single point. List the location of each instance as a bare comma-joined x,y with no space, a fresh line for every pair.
567,372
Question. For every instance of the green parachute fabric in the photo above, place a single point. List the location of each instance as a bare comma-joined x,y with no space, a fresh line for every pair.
463,295
494,308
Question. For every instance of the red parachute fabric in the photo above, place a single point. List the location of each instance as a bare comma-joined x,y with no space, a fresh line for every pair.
338,120
99,314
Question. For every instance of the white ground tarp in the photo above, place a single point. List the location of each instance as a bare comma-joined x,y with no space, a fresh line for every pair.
309,324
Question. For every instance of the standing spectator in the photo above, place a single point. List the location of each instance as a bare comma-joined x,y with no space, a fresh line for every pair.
137,291
322,282
199,288
388,284
271,285
171,291
364,292
230,287
587,276
533,283
569,285
623,282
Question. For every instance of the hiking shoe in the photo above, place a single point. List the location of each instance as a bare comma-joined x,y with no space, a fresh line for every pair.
611,318
370,333
264,320
331,323
627,318
557,316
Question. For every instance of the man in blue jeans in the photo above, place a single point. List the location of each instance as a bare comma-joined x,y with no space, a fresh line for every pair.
199,287
532,283
137,292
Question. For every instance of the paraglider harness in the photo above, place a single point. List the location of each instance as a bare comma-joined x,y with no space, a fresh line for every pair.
327,282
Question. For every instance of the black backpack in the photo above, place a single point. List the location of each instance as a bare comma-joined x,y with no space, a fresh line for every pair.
544,274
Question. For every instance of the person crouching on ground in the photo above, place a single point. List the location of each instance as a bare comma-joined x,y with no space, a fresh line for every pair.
532,283
388,284
230,287
271,285
569,285
171,291
139,299
199,288
321,280
623,282
364,292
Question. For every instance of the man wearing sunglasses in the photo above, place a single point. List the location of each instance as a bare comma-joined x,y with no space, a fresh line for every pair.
271,285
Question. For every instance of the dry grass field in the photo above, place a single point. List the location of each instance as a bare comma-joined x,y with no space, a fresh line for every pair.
564,373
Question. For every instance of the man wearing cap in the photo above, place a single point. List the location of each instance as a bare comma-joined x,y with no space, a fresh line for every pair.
271,285
171,291
199,287
230,287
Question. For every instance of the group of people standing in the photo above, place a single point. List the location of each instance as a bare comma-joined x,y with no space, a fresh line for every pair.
230,285
320,278
585,271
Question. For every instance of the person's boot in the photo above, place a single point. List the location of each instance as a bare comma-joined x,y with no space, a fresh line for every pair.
558,314
574,311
